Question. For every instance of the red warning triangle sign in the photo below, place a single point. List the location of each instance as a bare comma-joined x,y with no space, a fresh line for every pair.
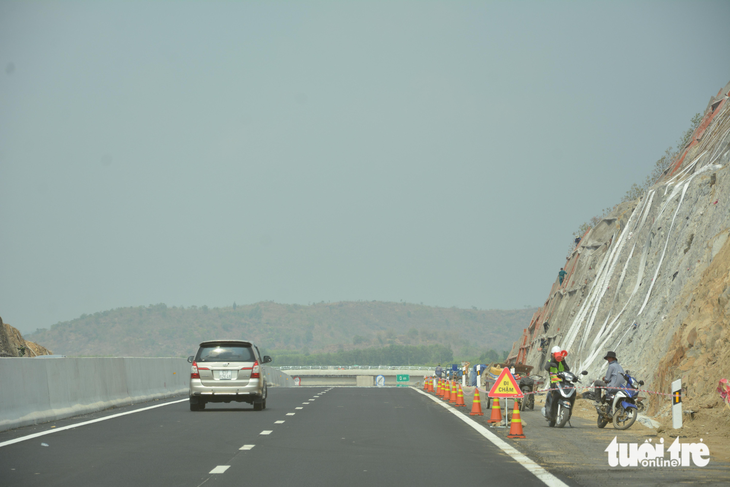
506,386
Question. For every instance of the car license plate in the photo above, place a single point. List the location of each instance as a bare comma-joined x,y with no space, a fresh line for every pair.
225,374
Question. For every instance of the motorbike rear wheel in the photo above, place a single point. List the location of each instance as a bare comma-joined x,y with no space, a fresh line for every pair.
624,418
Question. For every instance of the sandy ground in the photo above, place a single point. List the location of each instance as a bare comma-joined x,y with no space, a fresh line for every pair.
578,452
710,425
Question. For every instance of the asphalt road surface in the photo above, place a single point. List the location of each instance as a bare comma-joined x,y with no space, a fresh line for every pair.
306,437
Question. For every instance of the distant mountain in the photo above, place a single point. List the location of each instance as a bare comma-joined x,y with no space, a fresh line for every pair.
159,330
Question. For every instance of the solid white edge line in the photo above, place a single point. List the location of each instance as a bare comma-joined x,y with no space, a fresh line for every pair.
77,425
220,469
530,465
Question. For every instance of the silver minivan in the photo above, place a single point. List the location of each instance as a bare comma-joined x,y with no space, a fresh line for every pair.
225,371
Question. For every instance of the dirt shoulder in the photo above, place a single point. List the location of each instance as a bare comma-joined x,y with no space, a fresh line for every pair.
578,452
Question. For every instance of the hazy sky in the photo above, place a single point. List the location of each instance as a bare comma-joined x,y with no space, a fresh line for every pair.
439,152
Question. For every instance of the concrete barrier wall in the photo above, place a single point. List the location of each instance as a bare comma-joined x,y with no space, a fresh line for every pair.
277,378
36,390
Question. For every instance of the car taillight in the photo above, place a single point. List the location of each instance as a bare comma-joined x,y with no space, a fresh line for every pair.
194,371
256,372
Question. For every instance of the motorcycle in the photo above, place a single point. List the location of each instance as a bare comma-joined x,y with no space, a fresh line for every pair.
593,394
623,408
566,399
526,386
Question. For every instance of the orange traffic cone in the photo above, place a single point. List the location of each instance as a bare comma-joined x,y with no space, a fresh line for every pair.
476,406
452,397
496,412
460,398
425,384
439,389
515,427
447,391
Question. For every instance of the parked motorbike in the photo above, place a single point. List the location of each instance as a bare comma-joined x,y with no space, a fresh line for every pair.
593,394
526,386
622,409
566,399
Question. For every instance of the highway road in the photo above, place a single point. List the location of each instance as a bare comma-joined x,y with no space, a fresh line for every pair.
306,437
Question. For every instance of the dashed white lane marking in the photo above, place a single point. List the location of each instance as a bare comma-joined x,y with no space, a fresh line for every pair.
220,469
267,432
290,414
305,403
247,447
72,426
278,422
539,472
299,407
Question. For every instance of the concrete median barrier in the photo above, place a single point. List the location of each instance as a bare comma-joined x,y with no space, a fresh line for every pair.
36,390
275,377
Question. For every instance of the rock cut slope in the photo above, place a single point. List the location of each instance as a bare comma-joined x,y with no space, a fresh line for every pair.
12,344
652,279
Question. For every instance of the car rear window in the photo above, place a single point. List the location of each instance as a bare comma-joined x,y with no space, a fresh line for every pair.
225,353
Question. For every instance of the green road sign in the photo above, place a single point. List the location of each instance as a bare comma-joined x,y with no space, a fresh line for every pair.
402,378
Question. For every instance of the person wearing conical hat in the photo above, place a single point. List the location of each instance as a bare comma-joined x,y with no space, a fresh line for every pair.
614,376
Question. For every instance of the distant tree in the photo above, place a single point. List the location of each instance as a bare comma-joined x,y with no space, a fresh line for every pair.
234,305
488,357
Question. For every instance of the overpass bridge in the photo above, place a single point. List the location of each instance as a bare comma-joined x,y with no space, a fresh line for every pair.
356,375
